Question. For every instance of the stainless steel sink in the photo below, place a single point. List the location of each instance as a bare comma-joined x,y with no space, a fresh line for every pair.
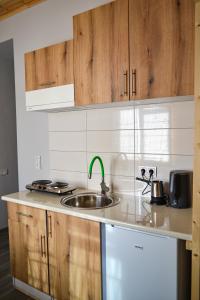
89,201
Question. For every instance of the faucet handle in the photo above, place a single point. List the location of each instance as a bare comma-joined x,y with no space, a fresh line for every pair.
104,188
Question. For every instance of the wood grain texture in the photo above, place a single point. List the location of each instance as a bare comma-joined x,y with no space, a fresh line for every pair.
49,67
7,290
28,245
74,258
101,60
9,8
161,47
196,182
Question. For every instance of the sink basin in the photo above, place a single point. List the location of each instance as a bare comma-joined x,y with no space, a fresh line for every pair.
88,201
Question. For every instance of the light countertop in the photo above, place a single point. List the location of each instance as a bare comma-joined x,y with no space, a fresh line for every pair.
132,212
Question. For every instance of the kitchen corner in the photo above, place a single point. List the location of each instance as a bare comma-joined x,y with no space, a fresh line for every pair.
105,148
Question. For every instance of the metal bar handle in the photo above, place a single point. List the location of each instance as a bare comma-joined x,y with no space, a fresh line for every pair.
19,213
43,245
134,82
44,251
47,83
125,83
49,226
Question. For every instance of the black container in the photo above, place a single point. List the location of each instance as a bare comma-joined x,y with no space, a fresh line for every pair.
180,183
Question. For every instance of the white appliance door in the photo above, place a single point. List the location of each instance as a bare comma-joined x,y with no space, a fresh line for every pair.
138,266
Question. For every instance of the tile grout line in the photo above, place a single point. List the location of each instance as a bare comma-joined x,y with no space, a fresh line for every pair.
122,129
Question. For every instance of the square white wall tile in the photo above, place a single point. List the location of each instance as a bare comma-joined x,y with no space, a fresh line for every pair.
116,184
121,164
120,141
67,121
67,141
165,115
164,141
68,161
110,118
75,178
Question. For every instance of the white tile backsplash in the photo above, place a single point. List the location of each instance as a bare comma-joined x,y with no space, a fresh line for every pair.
120,141
72,121
164,141
67,141
110,118
118,184
117,164
68,161
165,115
74,178
158,135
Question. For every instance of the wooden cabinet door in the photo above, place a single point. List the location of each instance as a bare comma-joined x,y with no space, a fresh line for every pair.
101,61
161,48
28,245
74,258
49,67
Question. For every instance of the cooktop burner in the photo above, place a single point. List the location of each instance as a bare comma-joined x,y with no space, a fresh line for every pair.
51,187
42,182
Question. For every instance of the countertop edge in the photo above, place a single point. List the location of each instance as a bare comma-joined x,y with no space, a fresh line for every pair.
83,215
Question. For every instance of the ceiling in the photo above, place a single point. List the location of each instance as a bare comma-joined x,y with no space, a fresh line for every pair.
9,8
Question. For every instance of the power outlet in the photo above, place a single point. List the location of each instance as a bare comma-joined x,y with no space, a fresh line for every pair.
147,168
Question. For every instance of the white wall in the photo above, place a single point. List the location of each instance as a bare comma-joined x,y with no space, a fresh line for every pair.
42,25
8,141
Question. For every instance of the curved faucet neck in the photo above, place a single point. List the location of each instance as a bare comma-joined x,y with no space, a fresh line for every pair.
91,167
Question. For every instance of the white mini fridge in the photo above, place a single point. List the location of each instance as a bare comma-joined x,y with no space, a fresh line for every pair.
141,266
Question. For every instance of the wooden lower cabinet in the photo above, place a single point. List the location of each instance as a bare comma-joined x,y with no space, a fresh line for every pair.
74,258
28,245
55,253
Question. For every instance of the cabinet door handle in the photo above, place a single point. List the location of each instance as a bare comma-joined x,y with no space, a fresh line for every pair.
134,82
139,247
43,245
49,226
47,83
44,238
125,83
19,213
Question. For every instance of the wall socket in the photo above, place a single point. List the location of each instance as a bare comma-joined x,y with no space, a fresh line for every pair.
147,168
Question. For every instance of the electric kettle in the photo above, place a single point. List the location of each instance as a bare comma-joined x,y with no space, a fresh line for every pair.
157,192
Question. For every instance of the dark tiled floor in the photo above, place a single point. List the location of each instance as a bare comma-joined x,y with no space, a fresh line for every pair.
7,291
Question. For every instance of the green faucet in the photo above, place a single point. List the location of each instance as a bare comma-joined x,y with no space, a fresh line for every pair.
104,188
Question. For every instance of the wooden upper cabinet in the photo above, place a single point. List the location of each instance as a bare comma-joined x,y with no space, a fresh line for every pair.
49,67
74,258
28,245
161,48
101,61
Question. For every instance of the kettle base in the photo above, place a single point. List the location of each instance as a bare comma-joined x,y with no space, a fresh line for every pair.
158,200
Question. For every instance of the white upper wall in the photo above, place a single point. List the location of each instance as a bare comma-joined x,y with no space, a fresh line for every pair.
42,25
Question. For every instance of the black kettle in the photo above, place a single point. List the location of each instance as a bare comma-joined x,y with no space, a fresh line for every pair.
180,194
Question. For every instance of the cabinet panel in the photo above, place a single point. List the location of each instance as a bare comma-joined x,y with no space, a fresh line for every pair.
74,258
161,48
101,59
28,245
49,67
